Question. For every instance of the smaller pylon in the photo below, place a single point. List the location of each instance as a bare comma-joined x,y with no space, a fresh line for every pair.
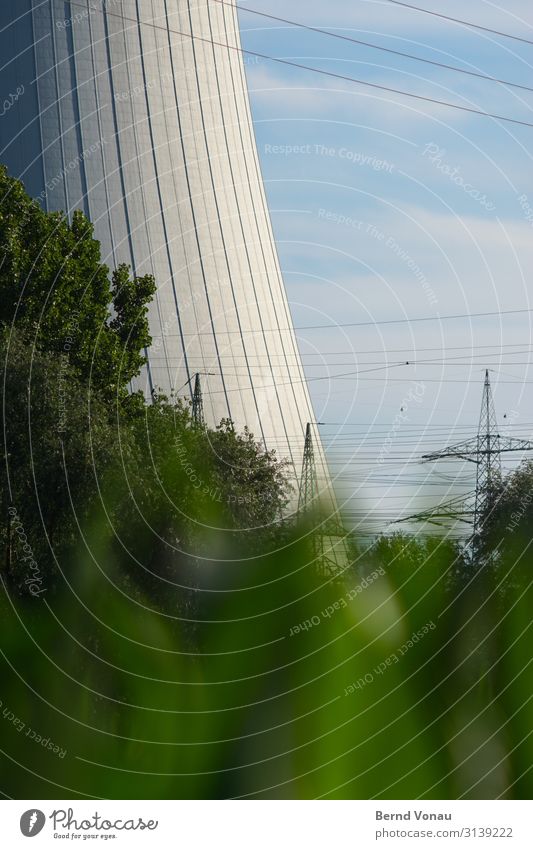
198,419
308,481
327,536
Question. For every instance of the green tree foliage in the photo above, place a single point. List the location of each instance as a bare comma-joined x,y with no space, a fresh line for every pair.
171,494
54,287
191,497
506,530
253,479
56,435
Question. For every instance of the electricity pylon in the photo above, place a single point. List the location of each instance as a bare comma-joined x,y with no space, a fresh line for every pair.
308,480
197,404
489,466
197,414
327,534
485,451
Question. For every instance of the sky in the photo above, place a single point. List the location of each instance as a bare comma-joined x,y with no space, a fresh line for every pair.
388,208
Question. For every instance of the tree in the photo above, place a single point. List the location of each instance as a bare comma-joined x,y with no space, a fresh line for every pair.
58,439
54,287
170,495
506,531
253,479
206,491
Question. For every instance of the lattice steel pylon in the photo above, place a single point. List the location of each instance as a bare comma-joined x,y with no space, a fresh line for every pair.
197,413
327,535
485,451
489,461
308,481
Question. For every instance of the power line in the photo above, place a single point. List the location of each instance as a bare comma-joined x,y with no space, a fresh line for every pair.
374,323
517,382
332,74
437,431
459,21
441,361
352,375
414,426
232,356
332,377
459,360
415,320
364,43
526,345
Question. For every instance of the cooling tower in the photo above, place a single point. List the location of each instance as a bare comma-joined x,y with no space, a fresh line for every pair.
136,112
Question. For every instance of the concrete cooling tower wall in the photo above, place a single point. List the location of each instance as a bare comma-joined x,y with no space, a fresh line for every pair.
136,112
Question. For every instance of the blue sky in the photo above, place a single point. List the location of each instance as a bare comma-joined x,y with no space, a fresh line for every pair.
388,208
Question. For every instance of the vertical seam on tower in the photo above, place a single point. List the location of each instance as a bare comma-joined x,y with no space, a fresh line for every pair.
205,196
267,275
124,33
101,136
286,311
43,167
217,207
176,205
200,259
119,156
163,217
77,117
58,106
